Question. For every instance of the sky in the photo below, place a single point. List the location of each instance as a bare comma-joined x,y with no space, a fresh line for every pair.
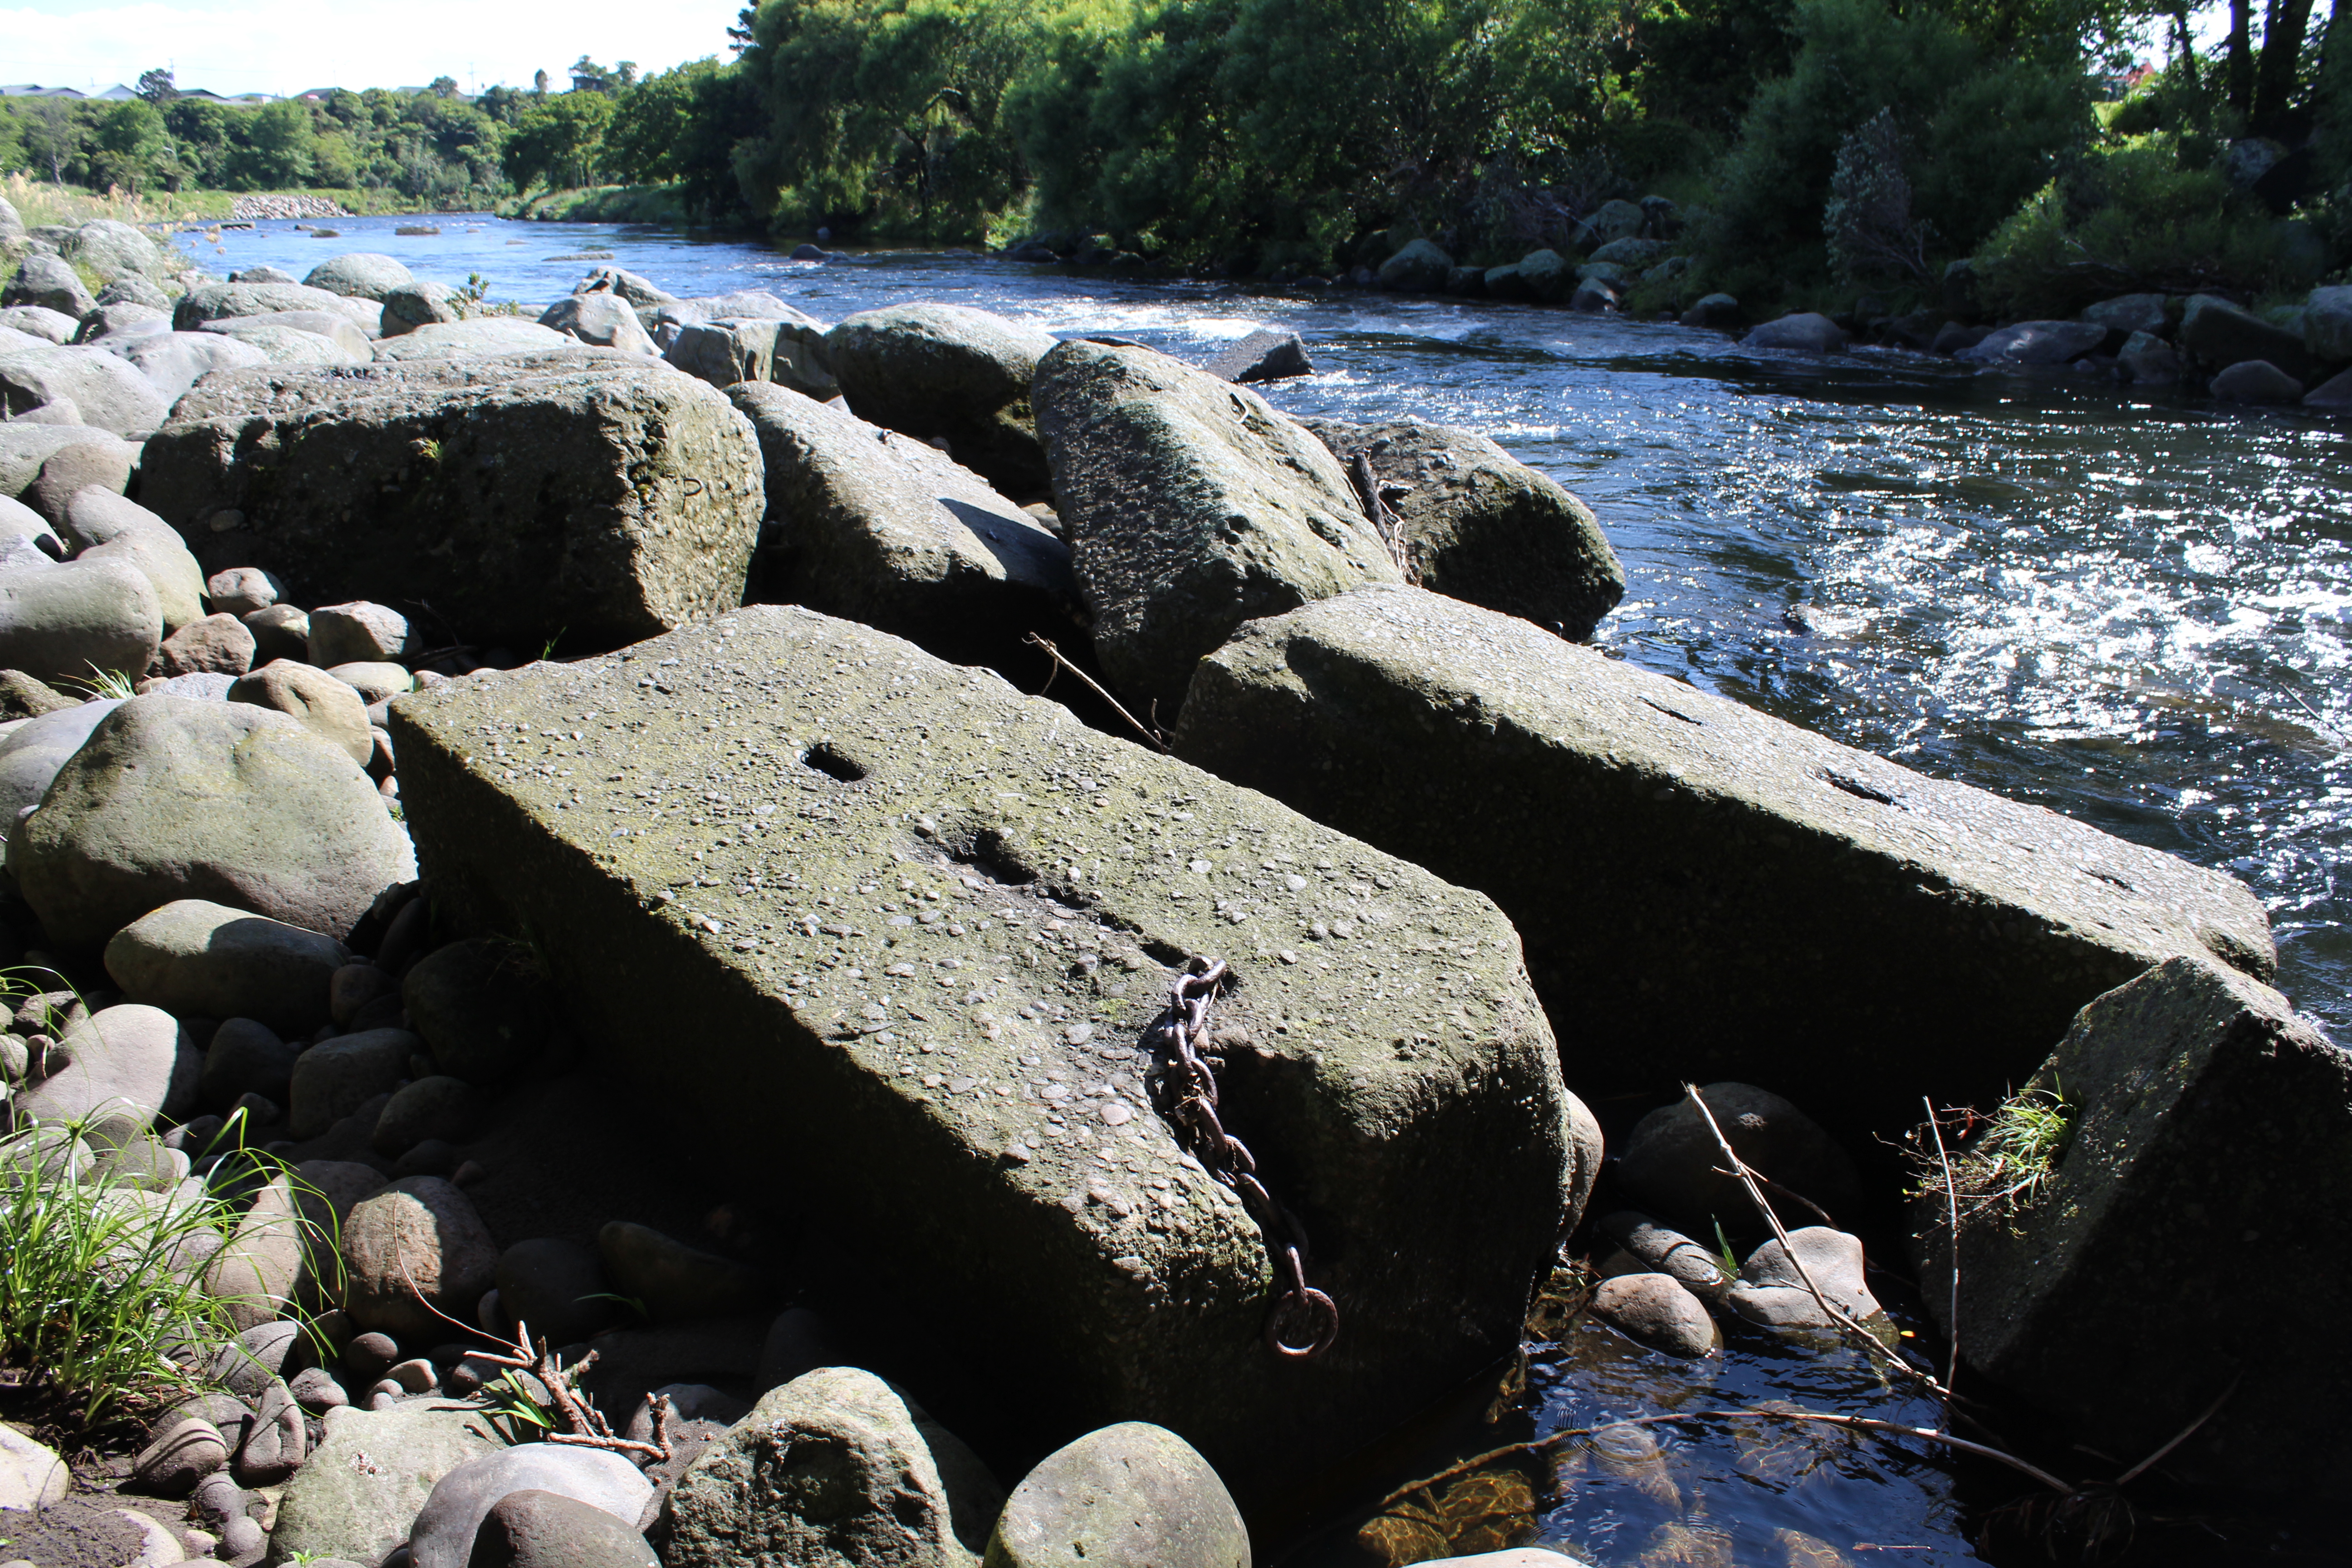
288,46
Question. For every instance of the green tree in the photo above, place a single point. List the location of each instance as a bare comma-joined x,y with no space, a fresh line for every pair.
52,136
651,122
558,139
131,146
279,150
156,87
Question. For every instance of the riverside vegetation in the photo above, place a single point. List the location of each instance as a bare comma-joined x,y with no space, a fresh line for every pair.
706,1093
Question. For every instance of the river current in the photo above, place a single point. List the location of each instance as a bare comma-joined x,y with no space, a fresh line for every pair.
2134,609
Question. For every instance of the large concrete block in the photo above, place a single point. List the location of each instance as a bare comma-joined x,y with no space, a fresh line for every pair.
589,494
909,929
1705,891
2195,1232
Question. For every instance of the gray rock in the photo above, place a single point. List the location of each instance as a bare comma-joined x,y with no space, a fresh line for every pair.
113,249
1560,782
675,1282
2036,342
2336,392
121,322
192,956
876,527
23,449
1270,353
185,1449
173,362
40,321
316,1390
418,1237
602,499
629,285
1630,250
375,680
788,350
415,305
442,1535
246,1056
1654,1309
836,1469
2188,1205
1772,1293
558,1288
2151,360
688,1401
601,320
481,1008
1419,268
475,338
109,392
31,1476
241,590
279,632
929,369
103,526
1129,1496
131,1059
361,1490
1669,1164
132,288
1611,220
796,1343
1469,1174
279,334
2221,334
2327,324
1192,505
326,707
177,799
1543,275
275,1440
359,632
216,645
535,1528
2129,313
1654,1247
1808,332
2256,380
215,302
445,1107
355,986
359,275
633,1363
50,283
334,1079
1481,526
31,754
258,1271
103,464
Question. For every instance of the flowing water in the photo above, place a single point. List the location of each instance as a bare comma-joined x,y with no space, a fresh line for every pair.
2136,610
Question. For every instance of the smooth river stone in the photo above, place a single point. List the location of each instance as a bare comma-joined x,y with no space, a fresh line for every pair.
1406,1092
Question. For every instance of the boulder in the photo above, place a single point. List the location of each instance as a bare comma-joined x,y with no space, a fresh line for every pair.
1809,331
418,1237
277,1440
558,1288
448,1109
1611,220
173,362
118,322
22,697
2336,392
87,465
103,526
1719,312
2036,342
787,352
864,747
1838,885
113,250
2150,361
1419,268
1121,1496
40,323
246,1056
1671,1162
132,289
23,449
370,1477
1270,353
2221,334
474,338
194,957
376,680
876,527
594,497
836,1469
1505,283
69,622
216,645
359,632
2187,1229
948,370
50,283
2129,313
601,320
129,1059
183,1451
2327,324
534,1529
330,709
241,590
344,341
1656,1311
482,1006
1772,1293
1630,251
31,754
215,302
110,393
336,1078
442,1535
1544,275
359,275
279,632
418,304
2256,380
1482,526
629,285
177,799
1192,505
675,1283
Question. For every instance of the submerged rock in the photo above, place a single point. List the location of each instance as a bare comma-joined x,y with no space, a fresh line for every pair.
1654,1309
2036,342
1421,1125
1808,332
1744,896
2186,1233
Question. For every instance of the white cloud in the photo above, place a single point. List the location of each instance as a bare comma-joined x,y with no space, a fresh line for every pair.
286,45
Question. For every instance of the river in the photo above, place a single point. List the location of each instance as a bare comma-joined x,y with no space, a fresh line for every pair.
2134,609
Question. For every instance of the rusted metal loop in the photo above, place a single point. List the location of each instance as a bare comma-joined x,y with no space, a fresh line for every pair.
1325,1318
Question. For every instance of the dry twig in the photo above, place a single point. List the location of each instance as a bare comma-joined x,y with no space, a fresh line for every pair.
1150,737
1952,1213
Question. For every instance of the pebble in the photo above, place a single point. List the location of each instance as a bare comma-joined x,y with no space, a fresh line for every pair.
1653,1309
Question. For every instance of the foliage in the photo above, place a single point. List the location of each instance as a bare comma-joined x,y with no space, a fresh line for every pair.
559,139
2001,1166
1868,223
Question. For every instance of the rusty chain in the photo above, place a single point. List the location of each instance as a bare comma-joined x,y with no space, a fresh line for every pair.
1190,1087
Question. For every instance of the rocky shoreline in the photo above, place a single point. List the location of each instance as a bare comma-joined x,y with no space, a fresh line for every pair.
530,883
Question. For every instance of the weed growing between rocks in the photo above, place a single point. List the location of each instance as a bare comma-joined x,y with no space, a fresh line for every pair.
2004,1159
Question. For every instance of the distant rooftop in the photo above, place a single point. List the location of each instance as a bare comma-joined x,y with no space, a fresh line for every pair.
233,100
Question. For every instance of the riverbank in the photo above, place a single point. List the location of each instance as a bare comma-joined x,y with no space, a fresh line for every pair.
40,203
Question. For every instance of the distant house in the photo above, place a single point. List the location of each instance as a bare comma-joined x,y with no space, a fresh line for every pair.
115,94
590,81
34,90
